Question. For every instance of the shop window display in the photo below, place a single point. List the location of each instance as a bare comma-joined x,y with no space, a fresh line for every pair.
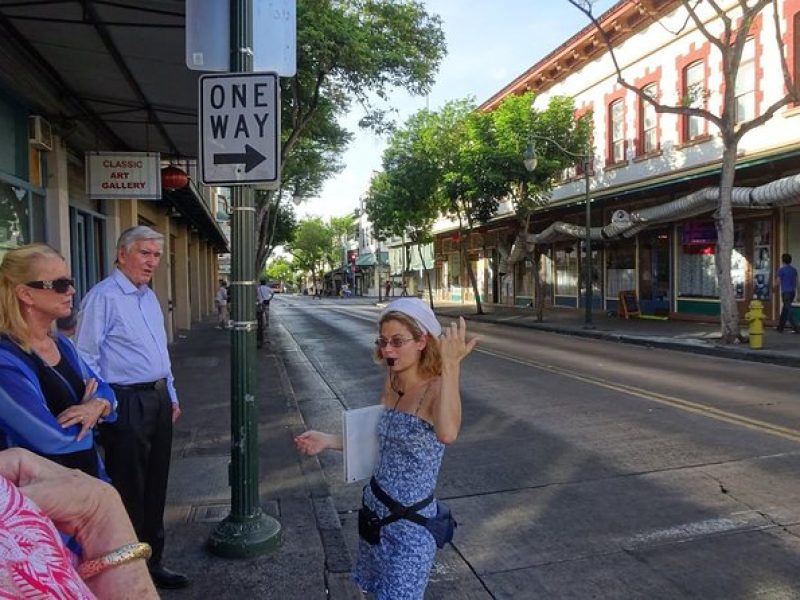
14,217
566,270
620,269
697,268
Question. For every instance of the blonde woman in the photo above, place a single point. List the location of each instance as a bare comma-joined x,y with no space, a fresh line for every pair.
50,400
423,414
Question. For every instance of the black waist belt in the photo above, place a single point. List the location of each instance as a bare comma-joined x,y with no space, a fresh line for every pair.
148,385
397,510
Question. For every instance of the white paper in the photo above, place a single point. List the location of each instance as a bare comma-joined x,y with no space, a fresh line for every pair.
360,441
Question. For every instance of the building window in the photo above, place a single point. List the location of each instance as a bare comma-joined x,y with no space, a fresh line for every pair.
566,270
796,46
694,94
616,129
697,264
88,257
648,134
620,269
745,91
15,218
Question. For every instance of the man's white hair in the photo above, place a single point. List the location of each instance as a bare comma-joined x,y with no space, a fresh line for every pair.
137,234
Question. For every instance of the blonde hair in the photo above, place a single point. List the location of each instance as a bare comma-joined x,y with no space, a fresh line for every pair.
430,361
19,266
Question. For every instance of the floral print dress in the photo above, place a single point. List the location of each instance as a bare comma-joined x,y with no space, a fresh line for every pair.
410,456
34,563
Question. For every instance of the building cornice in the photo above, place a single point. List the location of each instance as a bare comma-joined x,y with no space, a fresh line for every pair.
621,21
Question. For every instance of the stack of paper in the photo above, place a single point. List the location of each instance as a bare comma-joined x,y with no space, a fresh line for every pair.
360,441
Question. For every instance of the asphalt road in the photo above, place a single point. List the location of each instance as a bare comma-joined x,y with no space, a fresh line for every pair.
585,468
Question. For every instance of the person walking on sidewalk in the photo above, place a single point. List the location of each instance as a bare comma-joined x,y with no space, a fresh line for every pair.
787,283
122,337
423,414
264,296
221,300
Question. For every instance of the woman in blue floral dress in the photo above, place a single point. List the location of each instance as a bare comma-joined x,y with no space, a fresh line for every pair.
423,403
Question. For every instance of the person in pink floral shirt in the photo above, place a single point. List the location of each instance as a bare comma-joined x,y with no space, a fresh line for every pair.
38,500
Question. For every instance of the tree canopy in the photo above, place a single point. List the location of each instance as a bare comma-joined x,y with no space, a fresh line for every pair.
350,52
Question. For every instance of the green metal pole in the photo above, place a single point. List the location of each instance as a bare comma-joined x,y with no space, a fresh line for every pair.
246,531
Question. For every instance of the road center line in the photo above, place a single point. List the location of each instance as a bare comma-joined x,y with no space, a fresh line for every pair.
686,405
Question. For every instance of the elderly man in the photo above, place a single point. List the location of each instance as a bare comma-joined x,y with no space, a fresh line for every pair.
122,336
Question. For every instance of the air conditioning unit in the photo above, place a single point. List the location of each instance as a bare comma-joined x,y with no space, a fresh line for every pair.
40,134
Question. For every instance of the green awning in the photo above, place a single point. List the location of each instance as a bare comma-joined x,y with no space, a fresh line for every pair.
368,260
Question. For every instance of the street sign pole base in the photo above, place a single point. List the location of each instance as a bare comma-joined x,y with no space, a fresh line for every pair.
245,537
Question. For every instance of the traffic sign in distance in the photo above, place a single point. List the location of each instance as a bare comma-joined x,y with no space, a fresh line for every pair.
239,128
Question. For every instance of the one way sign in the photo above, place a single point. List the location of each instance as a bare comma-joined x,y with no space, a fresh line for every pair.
239,128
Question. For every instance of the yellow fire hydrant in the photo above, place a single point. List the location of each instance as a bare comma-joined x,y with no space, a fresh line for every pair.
755,324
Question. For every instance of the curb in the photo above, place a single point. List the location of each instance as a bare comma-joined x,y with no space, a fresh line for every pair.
762,356
338,562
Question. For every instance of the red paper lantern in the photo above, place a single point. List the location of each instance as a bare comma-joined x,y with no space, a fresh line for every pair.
172,178
455,237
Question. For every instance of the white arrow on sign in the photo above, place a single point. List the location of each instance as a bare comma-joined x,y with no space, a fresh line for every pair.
239,128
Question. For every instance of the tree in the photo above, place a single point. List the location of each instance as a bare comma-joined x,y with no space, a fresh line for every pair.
310,246
402,199
340,230
468,192
347,51
279,269
726,30
515,124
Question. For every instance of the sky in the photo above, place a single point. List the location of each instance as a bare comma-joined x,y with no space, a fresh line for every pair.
489,44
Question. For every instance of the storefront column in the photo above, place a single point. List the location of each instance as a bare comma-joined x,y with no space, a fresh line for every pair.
181,306
194,277
57,201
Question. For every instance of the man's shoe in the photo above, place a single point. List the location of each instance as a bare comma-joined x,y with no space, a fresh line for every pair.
166,579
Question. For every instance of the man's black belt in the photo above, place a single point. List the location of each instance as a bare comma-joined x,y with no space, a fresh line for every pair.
148,385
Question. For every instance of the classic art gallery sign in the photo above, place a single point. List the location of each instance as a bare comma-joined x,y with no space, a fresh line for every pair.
123,175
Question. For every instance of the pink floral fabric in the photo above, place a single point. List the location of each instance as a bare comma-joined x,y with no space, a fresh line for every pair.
34,563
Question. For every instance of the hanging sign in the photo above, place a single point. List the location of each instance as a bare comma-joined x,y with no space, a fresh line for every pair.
123,175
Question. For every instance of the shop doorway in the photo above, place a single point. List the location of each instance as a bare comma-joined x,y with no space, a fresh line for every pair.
655,286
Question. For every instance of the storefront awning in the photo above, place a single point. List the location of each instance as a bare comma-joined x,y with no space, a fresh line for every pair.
369,259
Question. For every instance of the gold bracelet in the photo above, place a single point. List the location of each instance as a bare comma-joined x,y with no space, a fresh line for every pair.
120,556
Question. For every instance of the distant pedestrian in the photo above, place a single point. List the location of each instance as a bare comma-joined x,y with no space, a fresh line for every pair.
405,289
122,336
221,300
388,287
264,296
787,282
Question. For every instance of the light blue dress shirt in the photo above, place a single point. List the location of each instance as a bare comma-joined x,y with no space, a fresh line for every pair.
121,334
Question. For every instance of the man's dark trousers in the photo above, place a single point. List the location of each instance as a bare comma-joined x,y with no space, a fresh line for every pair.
137,449
786,312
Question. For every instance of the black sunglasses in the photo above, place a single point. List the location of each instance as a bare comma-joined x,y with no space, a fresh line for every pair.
60,286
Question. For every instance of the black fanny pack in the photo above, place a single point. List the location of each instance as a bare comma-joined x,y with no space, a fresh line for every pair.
442,526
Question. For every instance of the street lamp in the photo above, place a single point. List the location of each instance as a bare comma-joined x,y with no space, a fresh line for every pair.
530,160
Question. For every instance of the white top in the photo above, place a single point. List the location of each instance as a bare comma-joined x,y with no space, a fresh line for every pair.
222,296
264,293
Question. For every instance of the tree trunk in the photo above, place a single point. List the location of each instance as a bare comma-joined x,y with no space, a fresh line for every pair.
539,300
427,274
470,273
729,317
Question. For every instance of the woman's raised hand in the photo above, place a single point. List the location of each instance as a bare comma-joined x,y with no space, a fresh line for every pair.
454,345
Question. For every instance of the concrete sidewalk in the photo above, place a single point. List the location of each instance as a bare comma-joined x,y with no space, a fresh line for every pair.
312,560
